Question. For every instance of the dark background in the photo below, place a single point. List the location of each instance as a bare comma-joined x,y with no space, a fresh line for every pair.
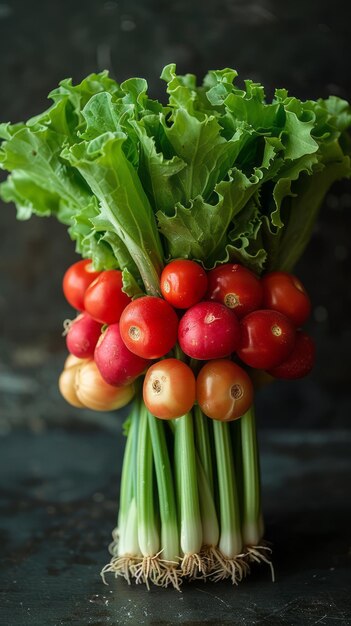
60,466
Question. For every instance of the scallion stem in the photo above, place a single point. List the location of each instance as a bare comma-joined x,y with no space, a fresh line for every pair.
130,540
203,444
148,535
235,433
126,491
188,495
166,494
128,486
252,525
210,528
230,542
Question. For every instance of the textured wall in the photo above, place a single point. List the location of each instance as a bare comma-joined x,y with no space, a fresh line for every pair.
303,46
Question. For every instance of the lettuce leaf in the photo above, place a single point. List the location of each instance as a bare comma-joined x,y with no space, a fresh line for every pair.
216,173
124,208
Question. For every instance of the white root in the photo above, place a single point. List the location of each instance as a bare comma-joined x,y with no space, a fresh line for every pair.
210,564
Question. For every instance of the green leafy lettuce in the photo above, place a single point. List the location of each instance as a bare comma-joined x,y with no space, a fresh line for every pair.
216,174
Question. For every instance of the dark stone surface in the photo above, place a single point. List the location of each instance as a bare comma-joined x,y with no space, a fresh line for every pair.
58,509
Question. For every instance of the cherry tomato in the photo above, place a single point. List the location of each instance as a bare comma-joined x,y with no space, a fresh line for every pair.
236,287
267,339
183,283
149,327
104,299
285,293
208,330
169,389
76,280
300,361
224,390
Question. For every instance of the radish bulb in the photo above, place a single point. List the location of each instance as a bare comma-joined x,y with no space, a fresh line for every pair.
209,330
82,336
117,365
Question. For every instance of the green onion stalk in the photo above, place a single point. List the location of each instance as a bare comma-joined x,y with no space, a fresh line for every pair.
190,505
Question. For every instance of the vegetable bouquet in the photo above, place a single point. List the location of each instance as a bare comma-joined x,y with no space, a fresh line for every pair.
190,217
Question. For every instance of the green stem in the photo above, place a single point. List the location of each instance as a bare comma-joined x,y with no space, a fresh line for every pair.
147,526
235,433
128,484
230,542
188,495
130,541
252,516
135,421
195,365
203,444
126,491
179,354
210,528
166,495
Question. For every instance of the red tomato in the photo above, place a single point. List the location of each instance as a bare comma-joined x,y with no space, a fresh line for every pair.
76,280
104,299
236,287
149,327
169,389
208,330
224,390
300,361
285,293
267,339
183,283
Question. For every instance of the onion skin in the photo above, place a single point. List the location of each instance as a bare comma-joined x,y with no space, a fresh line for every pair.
73,361
67,387
94,393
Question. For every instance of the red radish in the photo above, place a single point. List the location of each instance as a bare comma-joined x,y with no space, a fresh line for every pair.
116,364
83,336
209,330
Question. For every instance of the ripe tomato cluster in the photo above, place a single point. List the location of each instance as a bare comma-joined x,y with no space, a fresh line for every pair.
227,317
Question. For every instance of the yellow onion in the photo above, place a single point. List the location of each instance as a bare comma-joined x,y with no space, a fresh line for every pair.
67,387
73,361
95,393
